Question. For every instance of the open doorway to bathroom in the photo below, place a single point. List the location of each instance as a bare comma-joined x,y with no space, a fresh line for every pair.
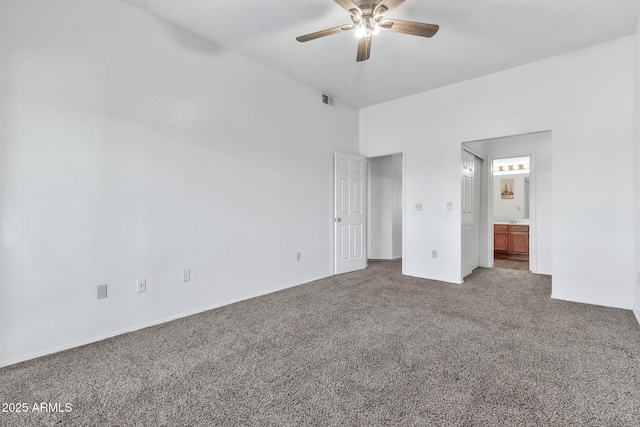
511,212
537,147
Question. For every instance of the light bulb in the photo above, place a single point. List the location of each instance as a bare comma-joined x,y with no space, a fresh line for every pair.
360,32
376,29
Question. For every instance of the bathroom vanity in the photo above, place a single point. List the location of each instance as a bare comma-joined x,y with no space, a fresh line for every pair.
511,241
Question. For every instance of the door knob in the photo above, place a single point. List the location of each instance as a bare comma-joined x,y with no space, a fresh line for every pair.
338,219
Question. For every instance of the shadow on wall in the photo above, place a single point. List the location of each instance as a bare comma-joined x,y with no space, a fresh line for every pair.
193,42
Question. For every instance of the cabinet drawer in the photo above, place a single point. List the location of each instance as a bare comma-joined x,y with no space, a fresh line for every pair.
500,228
519,228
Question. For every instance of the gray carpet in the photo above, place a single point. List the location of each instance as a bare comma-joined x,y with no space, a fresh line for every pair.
512,264
367,348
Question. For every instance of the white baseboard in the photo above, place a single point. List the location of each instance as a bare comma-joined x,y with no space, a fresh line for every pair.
580,301
92,340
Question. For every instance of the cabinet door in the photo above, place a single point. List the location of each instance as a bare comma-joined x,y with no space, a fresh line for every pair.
519,242
501,238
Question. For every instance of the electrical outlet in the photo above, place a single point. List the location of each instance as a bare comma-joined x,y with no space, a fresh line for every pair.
186,275
434,254
418,206
298,256
142,285
102,291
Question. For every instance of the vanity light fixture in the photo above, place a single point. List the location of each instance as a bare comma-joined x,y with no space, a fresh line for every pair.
511,168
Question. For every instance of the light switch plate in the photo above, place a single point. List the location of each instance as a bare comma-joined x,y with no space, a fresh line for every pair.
102,291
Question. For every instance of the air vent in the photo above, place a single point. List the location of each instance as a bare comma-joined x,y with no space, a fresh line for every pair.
326,99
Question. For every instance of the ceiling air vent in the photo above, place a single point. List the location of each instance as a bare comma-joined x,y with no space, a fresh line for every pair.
326,99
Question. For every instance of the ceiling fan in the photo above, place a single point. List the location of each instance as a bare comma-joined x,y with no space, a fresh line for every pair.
368,19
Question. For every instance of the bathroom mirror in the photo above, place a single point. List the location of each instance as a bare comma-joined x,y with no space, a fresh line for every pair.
511,193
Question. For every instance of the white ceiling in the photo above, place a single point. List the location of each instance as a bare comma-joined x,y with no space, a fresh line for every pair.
476,37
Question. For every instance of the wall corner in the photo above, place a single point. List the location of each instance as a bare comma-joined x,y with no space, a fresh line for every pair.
636,151
362,126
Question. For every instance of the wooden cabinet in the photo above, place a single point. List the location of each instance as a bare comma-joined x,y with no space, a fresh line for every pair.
511,241
501,238
519,239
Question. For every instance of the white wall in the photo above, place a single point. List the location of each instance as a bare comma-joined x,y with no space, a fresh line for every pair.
637,169
509,208
385,207
131,149
586,99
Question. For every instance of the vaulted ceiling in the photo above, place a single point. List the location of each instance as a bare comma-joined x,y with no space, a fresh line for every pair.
476,37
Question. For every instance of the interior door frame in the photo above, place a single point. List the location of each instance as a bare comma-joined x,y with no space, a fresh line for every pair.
486,237
533,241
402,151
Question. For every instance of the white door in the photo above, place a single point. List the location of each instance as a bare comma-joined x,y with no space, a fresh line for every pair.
350,214
471,180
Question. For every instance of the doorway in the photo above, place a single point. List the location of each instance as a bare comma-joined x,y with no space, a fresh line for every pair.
511,212
385,207
536,146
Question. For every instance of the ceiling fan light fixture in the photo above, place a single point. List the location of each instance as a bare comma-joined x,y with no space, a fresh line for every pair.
367,28
368,18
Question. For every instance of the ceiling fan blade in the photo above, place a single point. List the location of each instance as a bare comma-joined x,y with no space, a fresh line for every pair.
324,33
364,49
348,5
386,6
408,27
